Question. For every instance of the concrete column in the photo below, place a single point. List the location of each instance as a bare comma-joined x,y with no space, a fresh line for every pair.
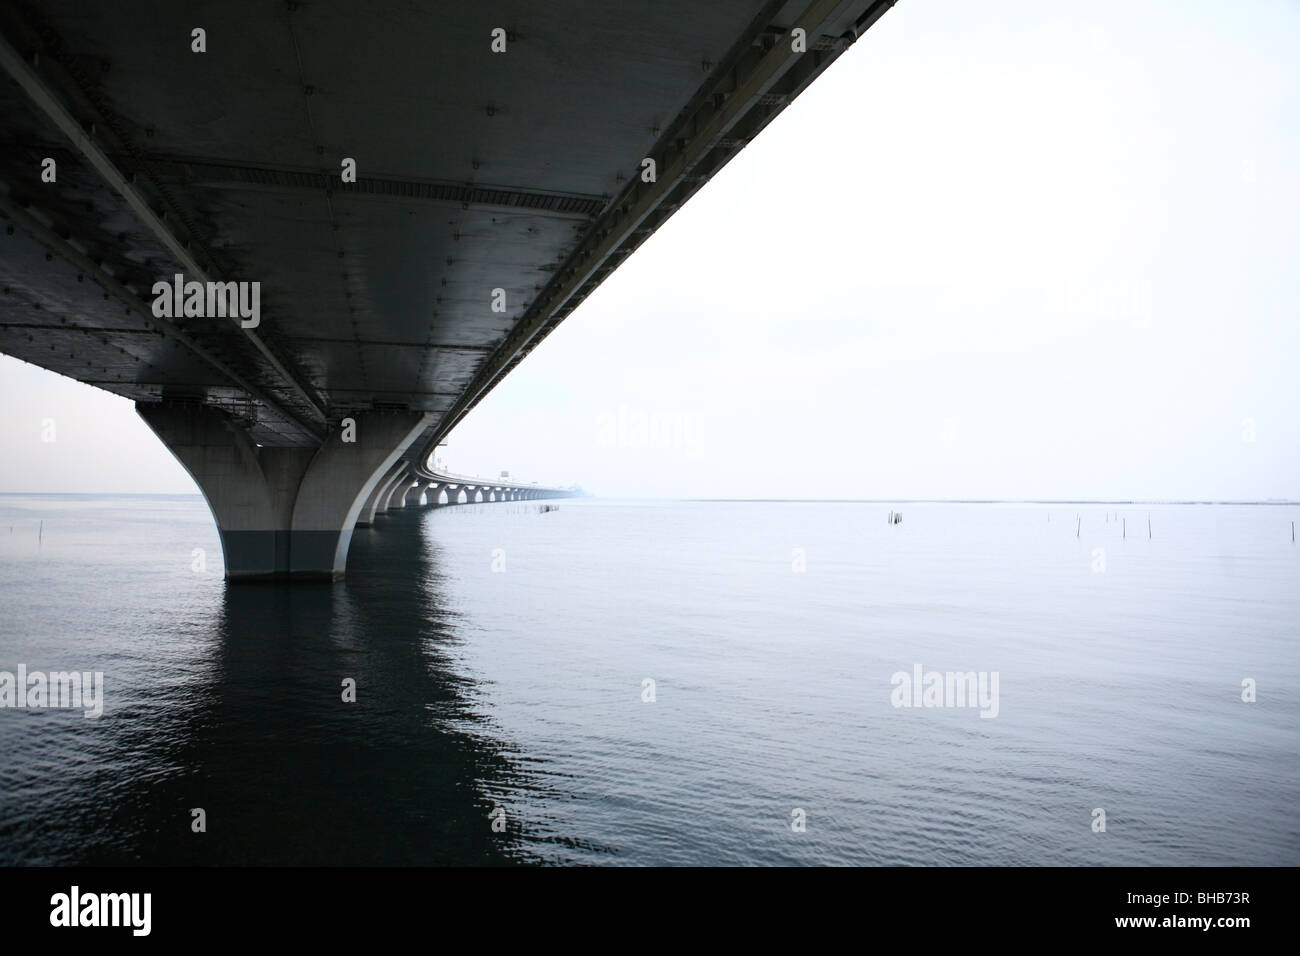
282,512
397,493
415,493
382,487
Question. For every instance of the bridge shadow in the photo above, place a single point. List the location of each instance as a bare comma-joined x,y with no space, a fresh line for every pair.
289,773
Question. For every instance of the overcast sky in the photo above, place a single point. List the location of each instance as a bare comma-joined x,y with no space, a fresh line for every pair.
999,250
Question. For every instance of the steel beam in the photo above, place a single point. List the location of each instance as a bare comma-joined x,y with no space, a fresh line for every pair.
65,250
44,99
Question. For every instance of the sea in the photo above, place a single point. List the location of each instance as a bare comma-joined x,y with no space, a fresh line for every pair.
654,682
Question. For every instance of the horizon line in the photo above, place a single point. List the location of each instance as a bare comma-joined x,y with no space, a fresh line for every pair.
947,501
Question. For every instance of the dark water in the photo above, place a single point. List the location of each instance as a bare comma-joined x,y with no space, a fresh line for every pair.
521,689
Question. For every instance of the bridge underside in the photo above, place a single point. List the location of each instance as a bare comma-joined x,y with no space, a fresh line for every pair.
499,178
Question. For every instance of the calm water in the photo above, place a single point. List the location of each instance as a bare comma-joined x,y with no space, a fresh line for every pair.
480,690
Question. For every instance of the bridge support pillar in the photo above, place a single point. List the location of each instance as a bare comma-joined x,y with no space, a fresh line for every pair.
397,492
415,493
282,512
379,494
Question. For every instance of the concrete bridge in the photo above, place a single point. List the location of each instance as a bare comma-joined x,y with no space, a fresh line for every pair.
307,238
408,490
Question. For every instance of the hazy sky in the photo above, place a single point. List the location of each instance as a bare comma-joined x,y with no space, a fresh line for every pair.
998,250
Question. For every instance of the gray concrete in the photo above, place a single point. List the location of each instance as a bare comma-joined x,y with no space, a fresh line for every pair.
381,489
414,497
282,512
397,492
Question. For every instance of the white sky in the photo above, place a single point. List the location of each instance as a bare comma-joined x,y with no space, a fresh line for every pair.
999,250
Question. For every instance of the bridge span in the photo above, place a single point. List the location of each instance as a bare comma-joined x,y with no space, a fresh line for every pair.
307,238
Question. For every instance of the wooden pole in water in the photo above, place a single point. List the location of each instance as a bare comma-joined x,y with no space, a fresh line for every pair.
1077,526
1126,529
40,532
1148,527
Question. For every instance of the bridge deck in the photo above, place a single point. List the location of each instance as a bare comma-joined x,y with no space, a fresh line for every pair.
476,171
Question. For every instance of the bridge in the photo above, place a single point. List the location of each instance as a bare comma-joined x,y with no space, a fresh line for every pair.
307,238
402,488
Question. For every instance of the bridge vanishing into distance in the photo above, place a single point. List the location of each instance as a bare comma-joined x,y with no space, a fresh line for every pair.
401,488
307,238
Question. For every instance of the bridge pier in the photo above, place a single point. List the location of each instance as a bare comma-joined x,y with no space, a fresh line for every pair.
282,512
415,493
379,493
396,497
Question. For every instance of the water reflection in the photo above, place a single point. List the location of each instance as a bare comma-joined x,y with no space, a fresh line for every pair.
286,771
